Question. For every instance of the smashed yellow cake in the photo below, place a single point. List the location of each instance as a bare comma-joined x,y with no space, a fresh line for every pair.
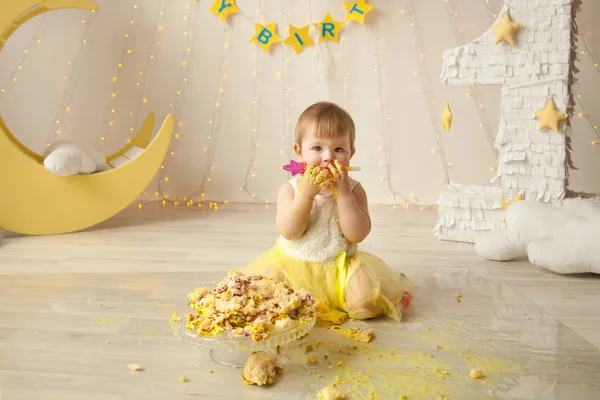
312,359
134,367
360,335
330,393
248,306
260,369
475,373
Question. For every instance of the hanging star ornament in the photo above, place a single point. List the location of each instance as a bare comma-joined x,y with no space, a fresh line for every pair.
550,117
224,8
506,30
265,36
505,204
329,29
446,117
357,10
299,38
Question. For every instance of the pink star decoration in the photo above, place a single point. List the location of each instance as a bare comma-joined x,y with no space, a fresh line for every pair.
295,167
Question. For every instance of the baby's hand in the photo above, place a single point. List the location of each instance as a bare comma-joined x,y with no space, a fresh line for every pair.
340,177
313,180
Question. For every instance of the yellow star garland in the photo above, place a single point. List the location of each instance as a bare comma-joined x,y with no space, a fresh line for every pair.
357,10
329,29
224,8
299,38
265,36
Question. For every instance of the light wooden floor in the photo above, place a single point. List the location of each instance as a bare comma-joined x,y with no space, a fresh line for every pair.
76,309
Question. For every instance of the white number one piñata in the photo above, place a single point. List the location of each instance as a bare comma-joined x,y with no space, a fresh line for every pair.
528,52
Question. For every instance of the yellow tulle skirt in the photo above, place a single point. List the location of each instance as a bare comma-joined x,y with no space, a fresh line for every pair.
360,286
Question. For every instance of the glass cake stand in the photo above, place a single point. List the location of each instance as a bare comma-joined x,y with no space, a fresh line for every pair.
233,352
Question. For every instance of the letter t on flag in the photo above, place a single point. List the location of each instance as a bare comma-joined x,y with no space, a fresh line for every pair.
357,10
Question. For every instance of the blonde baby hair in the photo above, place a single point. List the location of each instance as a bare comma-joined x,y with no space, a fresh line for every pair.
329,121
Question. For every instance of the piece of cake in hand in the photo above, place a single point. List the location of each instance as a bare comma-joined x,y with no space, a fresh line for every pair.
260,369
330,393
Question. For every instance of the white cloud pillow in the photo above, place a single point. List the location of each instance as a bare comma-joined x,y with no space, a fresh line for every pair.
69,158
564,239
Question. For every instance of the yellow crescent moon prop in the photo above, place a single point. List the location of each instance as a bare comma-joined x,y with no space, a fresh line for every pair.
33,200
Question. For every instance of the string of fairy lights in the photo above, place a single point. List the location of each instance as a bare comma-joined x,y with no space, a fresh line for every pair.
143,75
70,78
471,93
430,102
254,135
491,14
176,105
343,67
250,174
213,123
383,135
586,50
110,113
286,89
254,109
256,130
584,114
318,50
34,39
209,148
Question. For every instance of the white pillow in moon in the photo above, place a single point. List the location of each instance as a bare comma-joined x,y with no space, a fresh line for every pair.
69,158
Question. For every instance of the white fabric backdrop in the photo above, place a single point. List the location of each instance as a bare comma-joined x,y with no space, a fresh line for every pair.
386,73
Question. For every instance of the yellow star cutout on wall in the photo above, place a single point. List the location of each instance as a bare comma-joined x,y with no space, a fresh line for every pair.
506,30
447,117
265,36
299,38
357,10
224,8
505,204
329,29
550,117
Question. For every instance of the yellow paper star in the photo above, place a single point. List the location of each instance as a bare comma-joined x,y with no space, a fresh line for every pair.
299,38
550,117
224,8
447,117
329,29
357,10
506,30
505,204
265,36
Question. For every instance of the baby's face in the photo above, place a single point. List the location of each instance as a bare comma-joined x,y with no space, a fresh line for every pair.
323,151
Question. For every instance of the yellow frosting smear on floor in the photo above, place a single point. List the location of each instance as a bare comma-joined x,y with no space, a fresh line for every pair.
372,371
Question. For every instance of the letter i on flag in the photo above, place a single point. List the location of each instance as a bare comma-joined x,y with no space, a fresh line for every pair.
299,38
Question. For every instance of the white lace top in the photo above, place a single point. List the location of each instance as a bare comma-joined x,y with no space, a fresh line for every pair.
323,239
